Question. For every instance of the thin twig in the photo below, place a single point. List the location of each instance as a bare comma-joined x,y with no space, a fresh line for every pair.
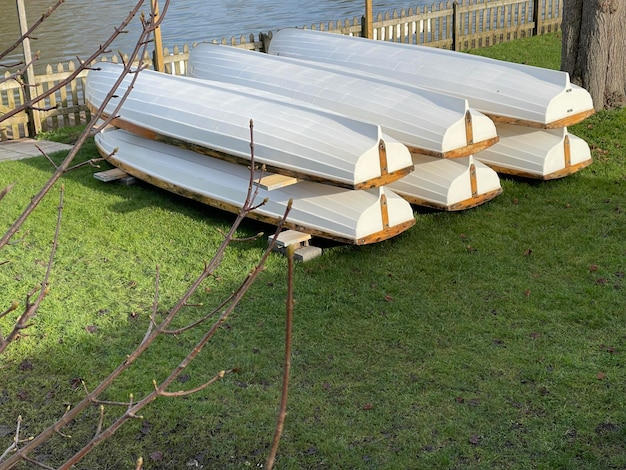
282,413
30,30
6,190
30,308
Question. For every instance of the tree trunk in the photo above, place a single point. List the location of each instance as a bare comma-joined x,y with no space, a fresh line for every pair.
594,49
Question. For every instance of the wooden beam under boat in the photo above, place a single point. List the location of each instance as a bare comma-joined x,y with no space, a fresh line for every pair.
290,137
507,92
348,216
426,122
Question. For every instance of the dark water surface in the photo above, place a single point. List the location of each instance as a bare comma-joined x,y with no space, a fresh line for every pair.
79,26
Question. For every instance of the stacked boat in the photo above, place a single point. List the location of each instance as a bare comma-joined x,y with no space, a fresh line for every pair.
191,137
352,131
442,132
531,106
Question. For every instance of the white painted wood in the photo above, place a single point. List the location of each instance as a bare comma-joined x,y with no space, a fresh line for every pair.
351,216
287,133
515,91
421,119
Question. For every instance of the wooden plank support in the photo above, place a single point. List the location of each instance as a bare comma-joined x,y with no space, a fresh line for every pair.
275,181
114,174
302,251
290,237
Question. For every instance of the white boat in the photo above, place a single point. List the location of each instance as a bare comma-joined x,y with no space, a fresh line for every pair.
426,122
348,216
506,92
536,153
429,124
448,185
290,137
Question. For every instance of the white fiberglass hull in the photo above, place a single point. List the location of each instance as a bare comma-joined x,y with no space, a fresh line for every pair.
507,92
349,216
449,185
426,122
290,137
536,153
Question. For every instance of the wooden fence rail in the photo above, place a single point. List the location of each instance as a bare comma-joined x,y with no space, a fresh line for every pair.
458,25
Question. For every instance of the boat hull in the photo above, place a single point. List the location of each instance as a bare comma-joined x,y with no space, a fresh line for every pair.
448,185
214,118
348,216
426,122
507,92
536,153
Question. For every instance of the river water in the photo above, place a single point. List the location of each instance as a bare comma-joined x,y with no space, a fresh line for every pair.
78,27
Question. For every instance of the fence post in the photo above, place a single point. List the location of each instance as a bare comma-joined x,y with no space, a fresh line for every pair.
366,21
456,26
34,122
538,17
157,56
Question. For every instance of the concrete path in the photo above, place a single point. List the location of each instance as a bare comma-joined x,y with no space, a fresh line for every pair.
27,148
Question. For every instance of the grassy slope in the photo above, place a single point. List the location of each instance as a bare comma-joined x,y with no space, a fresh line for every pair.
489,338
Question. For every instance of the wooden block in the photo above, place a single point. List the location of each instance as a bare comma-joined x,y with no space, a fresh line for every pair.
275,181
291,237
110,175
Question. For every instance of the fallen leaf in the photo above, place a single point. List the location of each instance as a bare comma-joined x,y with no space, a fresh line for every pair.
91,328
388,298
515,201
527,292
593,268
601,376
368,406
459,400
474,439
156,456
528,252
25,365
534,335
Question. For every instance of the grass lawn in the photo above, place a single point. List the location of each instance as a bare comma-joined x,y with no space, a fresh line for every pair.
489,338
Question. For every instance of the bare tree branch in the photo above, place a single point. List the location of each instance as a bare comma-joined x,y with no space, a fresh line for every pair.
282,413
30,308
86,133
32,28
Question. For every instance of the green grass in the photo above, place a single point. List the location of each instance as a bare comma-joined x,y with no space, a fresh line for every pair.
489,338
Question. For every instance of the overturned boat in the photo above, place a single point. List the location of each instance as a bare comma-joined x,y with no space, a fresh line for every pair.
348,216
506,92
537,153
290,137
448,185
430,124
426,122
